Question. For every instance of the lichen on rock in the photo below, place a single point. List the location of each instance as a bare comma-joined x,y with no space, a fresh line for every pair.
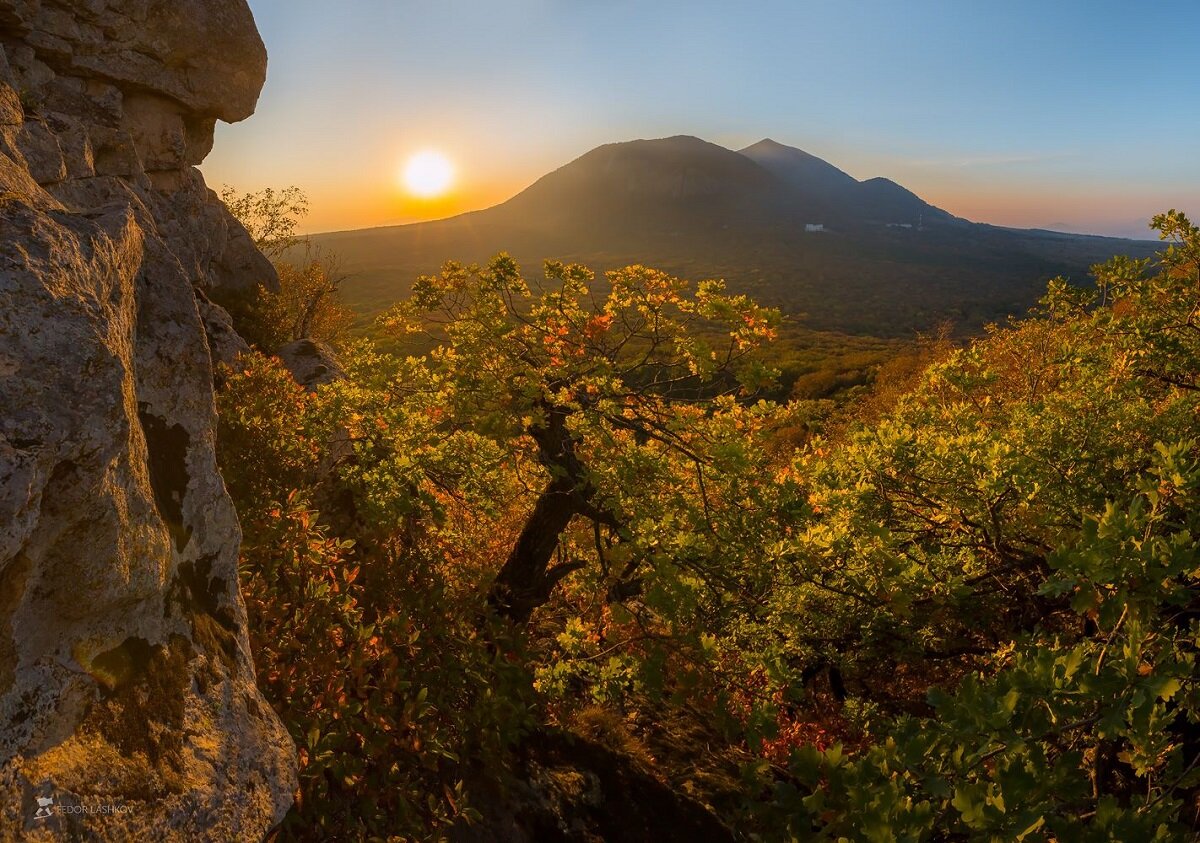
311,362
126,679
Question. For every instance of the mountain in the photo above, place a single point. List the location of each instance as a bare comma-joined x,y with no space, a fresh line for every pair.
802,171
664,184
881,200
841,197
885,263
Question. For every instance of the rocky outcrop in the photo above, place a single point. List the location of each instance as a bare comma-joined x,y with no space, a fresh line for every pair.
128,707
311,362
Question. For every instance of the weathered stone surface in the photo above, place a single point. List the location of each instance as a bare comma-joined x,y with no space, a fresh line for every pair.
127,691
206,54
79,160
311,363
225,345
11,111
43,156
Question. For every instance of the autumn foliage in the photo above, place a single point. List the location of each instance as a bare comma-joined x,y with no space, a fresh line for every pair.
964,609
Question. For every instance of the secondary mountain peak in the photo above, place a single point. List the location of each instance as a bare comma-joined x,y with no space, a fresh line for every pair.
882,200
765,144
840,195
799,169
770,146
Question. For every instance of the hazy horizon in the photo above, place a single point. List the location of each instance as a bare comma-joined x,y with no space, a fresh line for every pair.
1022,116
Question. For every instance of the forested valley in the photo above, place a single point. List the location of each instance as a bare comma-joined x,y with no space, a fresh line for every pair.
536,542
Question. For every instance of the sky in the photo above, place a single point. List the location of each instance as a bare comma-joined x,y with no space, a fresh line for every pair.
1083,115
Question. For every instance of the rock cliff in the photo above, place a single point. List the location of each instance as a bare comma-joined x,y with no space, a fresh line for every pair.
128,707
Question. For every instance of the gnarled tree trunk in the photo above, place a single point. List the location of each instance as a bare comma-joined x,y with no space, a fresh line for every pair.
527,577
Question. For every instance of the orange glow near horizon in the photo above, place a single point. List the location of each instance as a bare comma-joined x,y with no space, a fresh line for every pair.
368,203
381,203
347,193
1078,208
1001,117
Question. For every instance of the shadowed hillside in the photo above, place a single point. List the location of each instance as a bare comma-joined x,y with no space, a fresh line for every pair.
886,264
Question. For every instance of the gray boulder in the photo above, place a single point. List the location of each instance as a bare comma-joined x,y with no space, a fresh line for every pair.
312,363
127,691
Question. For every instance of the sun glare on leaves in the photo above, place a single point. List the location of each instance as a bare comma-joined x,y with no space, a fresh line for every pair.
428,174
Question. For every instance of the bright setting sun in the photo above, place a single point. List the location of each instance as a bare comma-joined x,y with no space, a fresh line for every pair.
428,174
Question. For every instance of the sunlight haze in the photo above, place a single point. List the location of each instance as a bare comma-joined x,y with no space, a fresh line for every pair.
1010,114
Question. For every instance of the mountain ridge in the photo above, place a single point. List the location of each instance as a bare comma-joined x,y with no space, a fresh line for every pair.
885,262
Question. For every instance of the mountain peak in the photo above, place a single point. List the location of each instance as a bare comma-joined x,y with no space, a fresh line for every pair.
798,168
674,183
767,143
675,141
770,146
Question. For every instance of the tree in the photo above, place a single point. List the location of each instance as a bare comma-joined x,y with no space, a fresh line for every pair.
271,217
1003,569
308,304
580,378
366,641
970,611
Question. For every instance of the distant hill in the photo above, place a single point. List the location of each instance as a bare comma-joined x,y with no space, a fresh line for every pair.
885,263
839,198
804,172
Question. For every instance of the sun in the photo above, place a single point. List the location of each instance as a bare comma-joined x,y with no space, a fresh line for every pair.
428,174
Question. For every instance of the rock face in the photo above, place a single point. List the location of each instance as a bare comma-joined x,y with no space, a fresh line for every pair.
128,708
311,363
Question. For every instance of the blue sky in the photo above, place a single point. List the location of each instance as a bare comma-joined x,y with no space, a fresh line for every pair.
1017,113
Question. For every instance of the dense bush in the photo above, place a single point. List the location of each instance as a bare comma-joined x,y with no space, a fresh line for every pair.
962,609
1019,535
368,636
